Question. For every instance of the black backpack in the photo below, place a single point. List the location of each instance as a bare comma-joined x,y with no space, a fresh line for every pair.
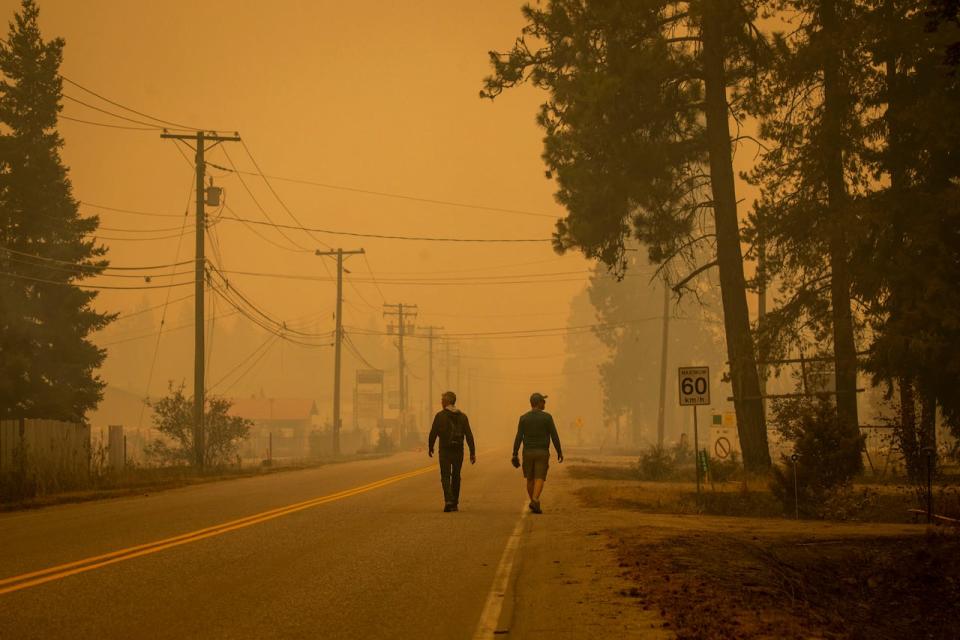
454,428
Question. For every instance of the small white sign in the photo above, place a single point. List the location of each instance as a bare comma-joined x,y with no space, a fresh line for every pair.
694,385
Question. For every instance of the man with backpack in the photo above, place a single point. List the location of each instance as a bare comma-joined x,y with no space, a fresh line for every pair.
451,427
535,431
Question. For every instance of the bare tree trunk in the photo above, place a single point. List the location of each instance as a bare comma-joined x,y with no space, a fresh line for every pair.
844,345
751,425
907,431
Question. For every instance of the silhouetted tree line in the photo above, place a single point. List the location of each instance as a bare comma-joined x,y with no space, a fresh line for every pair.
855,105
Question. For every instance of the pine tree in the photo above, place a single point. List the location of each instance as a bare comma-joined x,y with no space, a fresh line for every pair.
909,259
638,138
47,363
810,102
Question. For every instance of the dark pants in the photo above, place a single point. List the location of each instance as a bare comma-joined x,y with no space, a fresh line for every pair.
451,461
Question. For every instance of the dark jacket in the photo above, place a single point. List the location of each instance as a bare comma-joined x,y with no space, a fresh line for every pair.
451,426
535,431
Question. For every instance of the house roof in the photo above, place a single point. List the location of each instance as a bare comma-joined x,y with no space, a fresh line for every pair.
274,408
122,407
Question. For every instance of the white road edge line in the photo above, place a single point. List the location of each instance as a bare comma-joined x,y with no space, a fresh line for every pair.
487,627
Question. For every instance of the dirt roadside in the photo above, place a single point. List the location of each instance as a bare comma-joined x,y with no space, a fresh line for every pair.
604,571
568,582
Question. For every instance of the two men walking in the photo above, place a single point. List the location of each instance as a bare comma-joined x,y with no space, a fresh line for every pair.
535,431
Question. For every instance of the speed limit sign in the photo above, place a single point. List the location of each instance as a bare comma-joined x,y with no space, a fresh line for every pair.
694,385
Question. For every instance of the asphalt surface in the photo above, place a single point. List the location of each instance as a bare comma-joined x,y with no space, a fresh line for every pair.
381,563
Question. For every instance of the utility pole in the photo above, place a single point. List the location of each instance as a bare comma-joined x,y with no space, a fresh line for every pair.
401,312
430,338
339,253
661,413
200,140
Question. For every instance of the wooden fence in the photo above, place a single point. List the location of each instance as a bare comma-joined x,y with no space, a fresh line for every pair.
42,456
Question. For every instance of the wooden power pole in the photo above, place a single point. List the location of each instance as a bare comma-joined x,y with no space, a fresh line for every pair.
430,338
401,312
339,253
200,140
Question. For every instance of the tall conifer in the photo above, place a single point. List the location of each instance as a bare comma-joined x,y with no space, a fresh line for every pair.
47,362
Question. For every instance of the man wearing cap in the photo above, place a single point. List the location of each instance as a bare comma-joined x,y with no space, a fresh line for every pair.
451,427
535,431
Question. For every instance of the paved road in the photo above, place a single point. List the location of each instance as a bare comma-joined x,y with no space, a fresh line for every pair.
379,562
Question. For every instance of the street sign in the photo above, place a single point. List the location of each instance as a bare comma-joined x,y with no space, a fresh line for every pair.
694,386
722,448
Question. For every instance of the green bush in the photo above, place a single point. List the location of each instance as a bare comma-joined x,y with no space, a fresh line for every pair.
726,470
656,463
827,456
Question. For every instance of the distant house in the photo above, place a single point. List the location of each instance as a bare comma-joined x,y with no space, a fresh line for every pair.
283,423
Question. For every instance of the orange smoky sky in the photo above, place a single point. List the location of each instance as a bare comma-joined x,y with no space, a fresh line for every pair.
379,96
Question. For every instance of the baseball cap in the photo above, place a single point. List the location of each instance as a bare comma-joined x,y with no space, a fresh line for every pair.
537,397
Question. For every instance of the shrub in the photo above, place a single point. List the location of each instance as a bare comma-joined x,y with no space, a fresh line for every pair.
656,463
827,456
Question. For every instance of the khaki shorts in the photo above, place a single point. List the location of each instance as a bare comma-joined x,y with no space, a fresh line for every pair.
535,464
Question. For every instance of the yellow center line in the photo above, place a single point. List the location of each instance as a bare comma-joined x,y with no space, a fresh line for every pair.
34,578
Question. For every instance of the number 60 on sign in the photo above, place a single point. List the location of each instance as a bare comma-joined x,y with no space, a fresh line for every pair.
694,385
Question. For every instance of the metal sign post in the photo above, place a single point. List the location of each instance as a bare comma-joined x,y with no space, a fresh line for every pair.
695,391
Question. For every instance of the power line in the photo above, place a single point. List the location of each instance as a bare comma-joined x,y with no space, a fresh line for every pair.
92,286
356,352
80,273
383,236
106,268
374,278
138,312
126,108
150,125
265,345
162,331
277,195
135,212
400,196
97,236
263,211
105,124
166,303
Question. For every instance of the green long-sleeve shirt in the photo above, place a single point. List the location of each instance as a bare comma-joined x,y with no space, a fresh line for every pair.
535,431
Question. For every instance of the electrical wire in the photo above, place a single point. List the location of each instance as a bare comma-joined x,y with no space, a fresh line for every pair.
277,195
383,236
106,268
356,351
93,286
138,312
111,113
166,305
270,222
373,277
250,356
105,124
252,365
135,212
93,274
126,108
399,196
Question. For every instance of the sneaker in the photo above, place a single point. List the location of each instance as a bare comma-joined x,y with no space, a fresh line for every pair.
535,506
447,508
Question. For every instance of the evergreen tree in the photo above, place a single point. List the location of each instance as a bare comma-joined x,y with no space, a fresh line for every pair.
638,138
810,101
47,364
909,259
